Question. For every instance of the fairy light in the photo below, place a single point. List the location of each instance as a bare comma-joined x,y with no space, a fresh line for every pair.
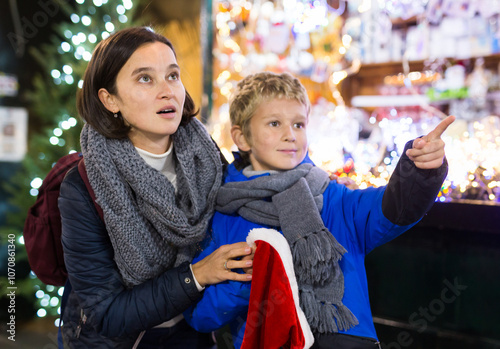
120,9
86,21
56,74
69,79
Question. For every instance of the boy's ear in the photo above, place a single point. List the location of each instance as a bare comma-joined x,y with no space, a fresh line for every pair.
108,100
239,138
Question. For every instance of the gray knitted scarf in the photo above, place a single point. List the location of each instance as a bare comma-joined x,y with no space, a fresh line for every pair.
293,201
152,228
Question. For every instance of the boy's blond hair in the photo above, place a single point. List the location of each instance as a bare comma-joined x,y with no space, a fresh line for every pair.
255,89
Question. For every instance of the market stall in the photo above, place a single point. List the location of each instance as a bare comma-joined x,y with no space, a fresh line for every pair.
379,73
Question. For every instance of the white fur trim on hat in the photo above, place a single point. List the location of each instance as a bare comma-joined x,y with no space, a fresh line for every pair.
279,243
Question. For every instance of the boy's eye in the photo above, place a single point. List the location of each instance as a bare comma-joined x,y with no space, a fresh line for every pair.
300,125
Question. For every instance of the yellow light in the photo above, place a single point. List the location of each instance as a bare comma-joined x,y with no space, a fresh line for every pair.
338,76
235,11
414,75
336,94
231,44
224,31
225,91
223,77
492,197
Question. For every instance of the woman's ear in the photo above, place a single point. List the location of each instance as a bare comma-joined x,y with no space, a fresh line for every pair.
108,100
239,138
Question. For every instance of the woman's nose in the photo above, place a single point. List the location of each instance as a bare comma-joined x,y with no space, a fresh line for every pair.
166,90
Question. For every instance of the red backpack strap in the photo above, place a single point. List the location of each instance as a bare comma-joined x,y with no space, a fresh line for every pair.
83,173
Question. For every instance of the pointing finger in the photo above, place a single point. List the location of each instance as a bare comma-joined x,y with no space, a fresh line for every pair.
440,128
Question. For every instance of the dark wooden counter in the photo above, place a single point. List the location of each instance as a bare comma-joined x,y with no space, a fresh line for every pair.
438,285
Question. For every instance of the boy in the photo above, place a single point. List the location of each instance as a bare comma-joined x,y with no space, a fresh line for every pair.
329,227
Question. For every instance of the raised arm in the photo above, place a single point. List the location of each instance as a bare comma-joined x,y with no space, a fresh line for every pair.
418,177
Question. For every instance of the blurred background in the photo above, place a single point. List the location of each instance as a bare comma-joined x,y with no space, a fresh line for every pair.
378,74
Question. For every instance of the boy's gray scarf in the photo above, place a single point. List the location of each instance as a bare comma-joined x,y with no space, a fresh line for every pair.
152,228
296,199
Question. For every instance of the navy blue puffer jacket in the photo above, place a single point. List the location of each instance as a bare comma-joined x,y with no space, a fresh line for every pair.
100,311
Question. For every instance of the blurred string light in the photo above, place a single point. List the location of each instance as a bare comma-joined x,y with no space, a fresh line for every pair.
81,44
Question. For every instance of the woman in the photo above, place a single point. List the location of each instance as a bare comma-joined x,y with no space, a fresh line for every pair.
155,173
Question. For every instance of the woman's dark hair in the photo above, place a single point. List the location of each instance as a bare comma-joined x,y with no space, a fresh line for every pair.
109,56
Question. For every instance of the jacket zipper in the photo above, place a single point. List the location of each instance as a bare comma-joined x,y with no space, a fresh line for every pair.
83,319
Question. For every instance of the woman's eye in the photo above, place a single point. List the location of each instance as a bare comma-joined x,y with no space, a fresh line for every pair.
145,78
274,123
174,76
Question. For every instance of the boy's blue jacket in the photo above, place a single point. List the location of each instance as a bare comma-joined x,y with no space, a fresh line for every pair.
360,220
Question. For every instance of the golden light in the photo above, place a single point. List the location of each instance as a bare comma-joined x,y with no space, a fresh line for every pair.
338,76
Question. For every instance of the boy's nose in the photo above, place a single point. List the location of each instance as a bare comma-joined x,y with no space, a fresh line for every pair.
289,135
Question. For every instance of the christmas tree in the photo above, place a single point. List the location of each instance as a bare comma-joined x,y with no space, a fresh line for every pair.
54,127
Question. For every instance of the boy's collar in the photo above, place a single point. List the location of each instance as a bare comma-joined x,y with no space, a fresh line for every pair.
250,172
238,158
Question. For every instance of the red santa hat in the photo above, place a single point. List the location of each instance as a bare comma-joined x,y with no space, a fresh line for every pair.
274,319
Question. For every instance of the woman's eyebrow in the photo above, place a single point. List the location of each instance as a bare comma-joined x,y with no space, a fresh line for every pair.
141,70
146,69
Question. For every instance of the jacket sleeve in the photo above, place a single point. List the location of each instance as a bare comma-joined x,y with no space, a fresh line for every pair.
372,217
411,191
221,303
111,308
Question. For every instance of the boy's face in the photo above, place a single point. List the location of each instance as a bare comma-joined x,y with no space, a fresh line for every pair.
278,139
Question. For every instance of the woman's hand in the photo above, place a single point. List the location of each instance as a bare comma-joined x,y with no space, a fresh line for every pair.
217,266
249,270
428,151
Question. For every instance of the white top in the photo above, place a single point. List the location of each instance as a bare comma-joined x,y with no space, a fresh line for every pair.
165,163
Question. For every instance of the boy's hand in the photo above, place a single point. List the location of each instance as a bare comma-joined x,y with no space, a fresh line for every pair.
428,151
348,182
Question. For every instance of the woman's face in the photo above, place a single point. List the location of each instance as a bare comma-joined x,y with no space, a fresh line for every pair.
150,96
